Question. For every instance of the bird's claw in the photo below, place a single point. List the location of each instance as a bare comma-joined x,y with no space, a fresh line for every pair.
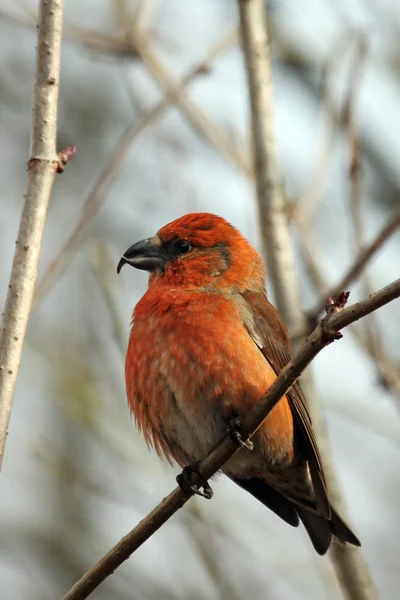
207,492
184,481
235,428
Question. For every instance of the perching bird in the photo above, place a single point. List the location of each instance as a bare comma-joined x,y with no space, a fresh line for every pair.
205,345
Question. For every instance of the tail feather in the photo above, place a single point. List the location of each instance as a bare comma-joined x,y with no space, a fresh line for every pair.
319,528
341,530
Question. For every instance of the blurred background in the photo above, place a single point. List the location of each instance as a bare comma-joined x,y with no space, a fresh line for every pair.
76,475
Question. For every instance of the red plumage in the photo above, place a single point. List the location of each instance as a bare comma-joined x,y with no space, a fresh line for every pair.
205,345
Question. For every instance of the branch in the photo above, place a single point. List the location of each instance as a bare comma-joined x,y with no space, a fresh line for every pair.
312,193
271,198
351,569
326,332
194,114
355,175
137,46
42,167
360,262
388,370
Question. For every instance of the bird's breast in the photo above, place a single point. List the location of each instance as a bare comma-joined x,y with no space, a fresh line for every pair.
190,367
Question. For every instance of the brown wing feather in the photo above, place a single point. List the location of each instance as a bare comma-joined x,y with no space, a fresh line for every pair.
272,332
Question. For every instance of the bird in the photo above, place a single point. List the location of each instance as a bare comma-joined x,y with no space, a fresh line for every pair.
205,345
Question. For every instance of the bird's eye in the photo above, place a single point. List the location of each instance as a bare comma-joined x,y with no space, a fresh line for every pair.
183,246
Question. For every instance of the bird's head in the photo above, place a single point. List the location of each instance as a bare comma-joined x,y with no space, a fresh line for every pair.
199,250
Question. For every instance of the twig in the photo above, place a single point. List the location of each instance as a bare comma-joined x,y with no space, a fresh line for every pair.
137,46
94,41
195,115
313,191
202,537
388,370
97,196
146,15
42,166
271,198
326,332
371,330
353,138
122,14
103,266
350,567
308,242
364,257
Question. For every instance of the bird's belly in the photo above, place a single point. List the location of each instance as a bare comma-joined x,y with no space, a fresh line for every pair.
195,427
194,430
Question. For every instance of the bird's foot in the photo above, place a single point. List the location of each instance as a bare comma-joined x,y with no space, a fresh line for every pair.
184,481
235,428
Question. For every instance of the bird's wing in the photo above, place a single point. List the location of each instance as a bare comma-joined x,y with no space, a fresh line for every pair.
269,332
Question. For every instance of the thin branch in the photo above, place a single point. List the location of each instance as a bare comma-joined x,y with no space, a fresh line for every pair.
316,183
103,266
94,41
357,268
270,195
355,168
146,15
388,370
202,536
97,196
371,338
195,115
326,332
356,195
308,241
350,567
137,46
42,167
122,14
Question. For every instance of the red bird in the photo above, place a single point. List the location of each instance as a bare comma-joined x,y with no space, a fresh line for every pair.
204,347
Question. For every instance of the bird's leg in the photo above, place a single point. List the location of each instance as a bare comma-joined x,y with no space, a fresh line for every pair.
235,428
184,481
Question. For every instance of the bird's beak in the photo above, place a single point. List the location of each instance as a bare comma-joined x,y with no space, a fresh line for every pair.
146,255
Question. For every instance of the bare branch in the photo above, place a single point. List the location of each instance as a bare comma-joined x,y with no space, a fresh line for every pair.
195,115
355,172
326,332
42,166
103,267
271,198
351,569
364,257
315,186
356,195
388,370
137,45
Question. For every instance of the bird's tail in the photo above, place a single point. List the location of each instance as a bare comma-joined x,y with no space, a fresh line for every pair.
321,529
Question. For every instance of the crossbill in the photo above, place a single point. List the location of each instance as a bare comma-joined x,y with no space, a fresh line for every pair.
205,345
